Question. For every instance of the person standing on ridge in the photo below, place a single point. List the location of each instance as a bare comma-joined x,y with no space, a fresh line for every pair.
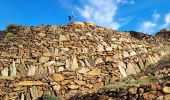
71,17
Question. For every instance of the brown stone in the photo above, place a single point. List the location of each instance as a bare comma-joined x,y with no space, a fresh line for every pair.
133,90
80,82
74,63
97,86
73,86
58,77
166,89
65,82
94,71
167,97
29,83
43,59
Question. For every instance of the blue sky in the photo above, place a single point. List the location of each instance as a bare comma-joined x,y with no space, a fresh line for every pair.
147,16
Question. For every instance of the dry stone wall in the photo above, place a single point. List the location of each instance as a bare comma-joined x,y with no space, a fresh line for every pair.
67,60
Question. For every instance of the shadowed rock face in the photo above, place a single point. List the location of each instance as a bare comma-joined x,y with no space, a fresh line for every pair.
140,35
164,34
71,59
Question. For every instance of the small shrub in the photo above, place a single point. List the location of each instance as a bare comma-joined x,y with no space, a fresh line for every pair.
13,26
49,97
9,35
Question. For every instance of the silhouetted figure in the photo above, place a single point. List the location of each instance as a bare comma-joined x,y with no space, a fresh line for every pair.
71,17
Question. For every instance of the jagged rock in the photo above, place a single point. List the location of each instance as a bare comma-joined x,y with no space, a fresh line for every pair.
94,71
65,82
42,34
74,63
89,23
97,85
51,70
60,69
56,87
67,64
77,23
73,86
58,77
125,54
136,67
43,59
108,48
62,38
12,69
83,70
49,63
31,71
22,97
99,61
5,72
130,69
122,67
34,92
133,53
133,90
100,48
78,82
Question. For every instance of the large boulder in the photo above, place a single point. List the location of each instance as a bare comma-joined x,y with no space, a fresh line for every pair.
89,23
77,23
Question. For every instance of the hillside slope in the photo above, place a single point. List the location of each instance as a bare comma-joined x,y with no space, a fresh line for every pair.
72,59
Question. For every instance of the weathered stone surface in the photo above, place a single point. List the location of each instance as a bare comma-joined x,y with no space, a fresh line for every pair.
125,54
5,72
73,86
83,70
43,59
100,48
49,63
57,87
78,82
58,77
133,90
71,59
62,38
12,69
166,89
122,67
94,71
29,83
133,53
130,69
98,61
89,23
167,97
74,64
31,71
77,23
34,92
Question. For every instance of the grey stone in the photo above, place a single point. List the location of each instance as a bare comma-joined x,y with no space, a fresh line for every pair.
49,63
13,69
31,71
130,69
100,48
5,72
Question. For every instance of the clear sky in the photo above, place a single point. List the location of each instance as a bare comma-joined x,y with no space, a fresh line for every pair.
147,16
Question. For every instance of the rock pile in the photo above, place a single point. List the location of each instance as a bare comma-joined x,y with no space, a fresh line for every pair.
163,34
66,60
145,92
